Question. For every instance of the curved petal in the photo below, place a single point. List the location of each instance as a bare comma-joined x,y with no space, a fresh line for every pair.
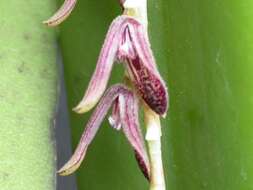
92,128
143,70
61,14
103,69
131,128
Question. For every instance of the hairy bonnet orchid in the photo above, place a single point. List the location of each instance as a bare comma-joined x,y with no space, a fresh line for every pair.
126,42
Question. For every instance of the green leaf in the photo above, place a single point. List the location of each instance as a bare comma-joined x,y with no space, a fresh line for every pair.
28,92
204,51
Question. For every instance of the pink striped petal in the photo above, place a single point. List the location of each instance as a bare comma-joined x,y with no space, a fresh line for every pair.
92,128
136,52
103,69
61,14
130,120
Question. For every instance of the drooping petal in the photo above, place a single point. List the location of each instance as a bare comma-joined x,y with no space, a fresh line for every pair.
92,128
130,120
143,70
141,43
61,14
114,119
103,69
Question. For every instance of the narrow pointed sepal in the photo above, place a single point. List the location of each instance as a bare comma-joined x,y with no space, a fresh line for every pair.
100,77
130,120
134,50
61,14
143,69
142,165
73,164
92,128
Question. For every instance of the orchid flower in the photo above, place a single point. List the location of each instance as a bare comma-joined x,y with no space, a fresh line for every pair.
127,42
126,104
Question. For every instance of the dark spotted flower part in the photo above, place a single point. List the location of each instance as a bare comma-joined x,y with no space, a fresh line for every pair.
126,104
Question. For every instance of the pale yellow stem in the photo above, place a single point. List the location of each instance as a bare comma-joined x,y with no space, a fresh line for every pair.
153,138
137,9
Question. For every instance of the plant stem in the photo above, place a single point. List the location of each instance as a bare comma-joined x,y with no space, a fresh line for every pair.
138,9
153,137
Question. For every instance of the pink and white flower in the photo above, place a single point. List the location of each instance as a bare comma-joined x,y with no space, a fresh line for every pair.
126,42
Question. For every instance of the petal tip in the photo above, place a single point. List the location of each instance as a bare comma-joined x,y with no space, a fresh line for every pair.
48,23
83,107
61,14
68,168
62,172
79,110
142,165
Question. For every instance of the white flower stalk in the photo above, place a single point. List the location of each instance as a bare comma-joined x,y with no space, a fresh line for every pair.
136,8
153,138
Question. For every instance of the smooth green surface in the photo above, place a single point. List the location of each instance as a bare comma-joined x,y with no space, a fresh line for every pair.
28,89
208,48
204,51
